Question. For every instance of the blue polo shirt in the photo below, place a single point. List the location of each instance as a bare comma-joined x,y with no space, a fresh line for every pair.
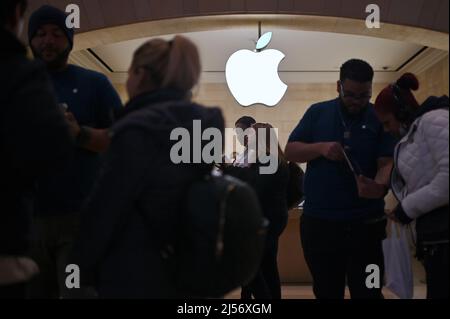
93,100
330,187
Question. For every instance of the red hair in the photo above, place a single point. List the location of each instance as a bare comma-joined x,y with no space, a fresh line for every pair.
388,102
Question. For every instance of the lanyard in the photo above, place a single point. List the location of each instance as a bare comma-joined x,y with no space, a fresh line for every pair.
348,128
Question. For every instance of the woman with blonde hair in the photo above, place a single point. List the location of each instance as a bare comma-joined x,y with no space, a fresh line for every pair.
141,190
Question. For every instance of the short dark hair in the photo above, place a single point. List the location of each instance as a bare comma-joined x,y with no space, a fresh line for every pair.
246,121
7,8
357,70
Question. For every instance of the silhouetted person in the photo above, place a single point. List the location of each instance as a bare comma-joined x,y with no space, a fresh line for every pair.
272,192
243,123
89,101
141,193
34,141
342,227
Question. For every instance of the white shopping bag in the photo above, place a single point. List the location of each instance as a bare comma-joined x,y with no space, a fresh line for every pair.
398,261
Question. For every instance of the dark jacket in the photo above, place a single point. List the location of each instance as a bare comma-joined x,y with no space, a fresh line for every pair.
432,103
34,140
271,190
138,197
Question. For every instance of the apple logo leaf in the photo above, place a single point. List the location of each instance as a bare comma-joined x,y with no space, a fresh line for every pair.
264,41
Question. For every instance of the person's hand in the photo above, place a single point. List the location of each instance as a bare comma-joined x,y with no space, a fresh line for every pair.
72,122
399,215
332,151
368,188
391,215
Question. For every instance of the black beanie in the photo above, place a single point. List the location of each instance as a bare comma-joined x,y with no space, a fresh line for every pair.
49,15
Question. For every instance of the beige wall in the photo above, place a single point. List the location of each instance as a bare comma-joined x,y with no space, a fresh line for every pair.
434,81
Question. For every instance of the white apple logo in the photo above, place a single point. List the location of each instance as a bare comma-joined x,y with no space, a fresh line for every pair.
253,76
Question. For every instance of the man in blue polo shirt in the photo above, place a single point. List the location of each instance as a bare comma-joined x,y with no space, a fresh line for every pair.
349,163
89,102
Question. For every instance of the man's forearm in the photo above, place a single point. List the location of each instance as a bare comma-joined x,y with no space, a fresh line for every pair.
302,152
385,166
379,187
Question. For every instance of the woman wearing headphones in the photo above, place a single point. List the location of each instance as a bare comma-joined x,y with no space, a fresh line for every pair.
420,179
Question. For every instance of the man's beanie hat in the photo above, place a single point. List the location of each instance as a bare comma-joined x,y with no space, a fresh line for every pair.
49,15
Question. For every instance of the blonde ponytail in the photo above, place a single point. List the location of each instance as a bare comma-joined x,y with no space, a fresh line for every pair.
183,69
172,64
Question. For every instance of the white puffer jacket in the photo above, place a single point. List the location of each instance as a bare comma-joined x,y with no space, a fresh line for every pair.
420,179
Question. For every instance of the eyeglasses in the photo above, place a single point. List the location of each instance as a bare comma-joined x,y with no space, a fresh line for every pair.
349,95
